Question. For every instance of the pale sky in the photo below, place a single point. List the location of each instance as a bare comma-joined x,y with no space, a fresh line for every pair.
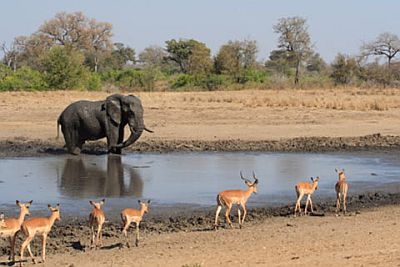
334,25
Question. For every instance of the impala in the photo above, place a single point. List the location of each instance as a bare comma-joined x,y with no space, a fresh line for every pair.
341,188
96,219
228,198
305,188
41,226
133,215
11,226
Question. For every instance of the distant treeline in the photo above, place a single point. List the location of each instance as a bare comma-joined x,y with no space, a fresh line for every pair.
71,51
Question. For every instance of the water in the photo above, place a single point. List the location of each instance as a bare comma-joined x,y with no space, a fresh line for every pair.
186,179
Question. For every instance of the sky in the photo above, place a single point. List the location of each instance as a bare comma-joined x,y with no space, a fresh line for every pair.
335,26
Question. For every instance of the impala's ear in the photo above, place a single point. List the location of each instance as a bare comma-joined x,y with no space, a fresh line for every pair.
18,203
148,202
336,170
30,202
91,202
49,206
312,179
103,201
139,201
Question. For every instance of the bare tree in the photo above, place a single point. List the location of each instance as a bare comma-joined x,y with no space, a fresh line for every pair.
98,39
10,54
294,38
386,44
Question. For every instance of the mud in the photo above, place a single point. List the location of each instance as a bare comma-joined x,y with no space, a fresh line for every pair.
22,147
71,234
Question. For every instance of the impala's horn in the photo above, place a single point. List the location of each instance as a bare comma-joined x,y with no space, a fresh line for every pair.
255,178
241,176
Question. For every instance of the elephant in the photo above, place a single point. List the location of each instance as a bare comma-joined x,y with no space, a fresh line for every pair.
91,120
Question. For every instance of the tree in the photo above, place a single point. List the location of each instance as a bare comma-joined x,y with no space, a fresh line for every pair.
294,38
71,30
281,61
386,44
153,56
64,69
10,54
190,55
199,61
99,39
235,57
315,63
344,69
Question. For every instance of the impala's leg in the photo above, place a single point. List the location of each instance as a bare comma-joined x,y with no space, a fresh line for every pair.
217,215
227,212
344,202
244,213
23,246
337,202
44,247
307,201
98,237
312,209
137,234
125,232
11,256
240,222
26,244
93,236
298,207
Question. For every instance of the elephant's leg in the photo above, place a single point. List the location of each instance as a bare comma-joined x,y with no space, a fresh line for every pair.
115,136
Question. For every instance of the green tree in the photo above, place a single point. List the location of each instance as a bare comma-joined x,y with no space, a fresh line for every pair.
294,39
235,57
64,68
190,55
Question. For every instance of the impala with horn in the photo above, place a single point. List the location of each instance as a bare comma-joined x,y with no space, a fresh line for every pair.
228,198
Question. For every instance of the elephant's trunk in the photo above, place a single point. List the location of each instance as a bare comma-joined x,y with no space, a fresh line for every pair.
136,131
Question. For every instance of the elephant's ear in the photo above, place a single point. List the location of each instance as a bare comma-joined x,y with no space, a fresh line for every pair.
113,109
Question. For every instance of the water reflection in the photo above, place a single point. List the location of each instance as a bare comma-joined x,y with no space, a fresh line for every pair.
82,179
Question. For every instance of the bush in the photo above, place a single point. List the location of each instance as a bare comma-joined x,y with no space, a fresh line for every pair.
211,82
64,69
94,82
252,75
23,79
182,80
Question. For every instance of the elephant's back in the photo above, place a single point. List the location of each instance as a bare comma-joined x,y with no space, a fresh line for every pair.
80,109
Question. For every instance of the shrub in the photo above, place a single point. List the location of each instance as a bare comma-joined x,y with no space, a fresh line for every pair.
64,68
182,80
23,79
94,82
211,82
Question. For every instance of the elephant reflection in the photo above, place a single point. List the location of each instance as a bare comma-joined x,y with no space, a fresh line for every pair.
83,180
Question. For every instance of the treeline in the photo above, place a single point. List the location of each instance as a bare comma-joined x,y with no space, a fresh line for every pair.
71,51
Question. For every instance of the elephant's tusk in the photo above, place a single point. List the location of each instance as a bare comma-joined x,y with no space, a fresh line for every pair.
147,130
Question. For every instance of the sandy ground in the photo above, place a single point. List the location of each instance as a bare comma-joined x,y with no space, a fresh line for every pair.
246,115
369,238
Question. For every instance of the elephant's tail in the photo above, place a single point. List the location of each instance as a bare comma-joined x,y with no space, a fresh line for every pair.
58,128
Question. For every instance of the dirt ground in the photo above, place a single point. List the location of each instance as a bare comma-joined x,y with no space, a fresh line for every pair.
270,120
273,120
366,238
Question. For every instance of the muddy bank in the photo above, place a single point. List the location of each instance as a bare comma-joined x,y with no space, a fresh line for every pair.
21,147
71,235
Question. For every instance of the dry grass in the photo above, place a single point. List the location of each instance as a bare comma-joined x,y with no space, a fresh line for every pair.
334,99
